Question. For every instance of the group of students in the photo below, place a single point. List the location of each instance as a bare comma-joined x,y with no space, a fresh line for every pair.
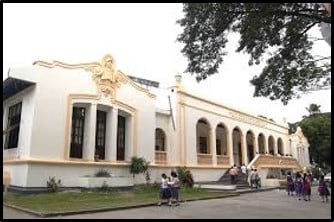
301,185
169,189
254,179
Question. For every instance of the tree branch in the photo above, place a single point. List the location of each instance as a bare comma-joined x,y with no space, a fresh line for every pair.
318,17
308,28
319,59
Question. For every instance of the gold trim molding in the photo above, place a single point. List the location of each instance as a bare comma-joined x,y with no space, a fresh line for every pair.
238,113
105,74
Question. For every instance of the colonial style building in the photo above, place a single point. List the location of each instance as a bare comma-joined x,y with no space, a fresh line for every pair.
70,120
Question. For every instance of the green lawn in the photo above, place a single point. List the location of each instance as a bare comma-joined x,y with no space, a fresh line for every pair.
62,202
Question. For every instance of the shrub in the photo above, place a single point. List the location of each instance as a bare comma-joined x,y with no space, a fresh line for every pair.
185,177
138,165
104,187
102,173
52,184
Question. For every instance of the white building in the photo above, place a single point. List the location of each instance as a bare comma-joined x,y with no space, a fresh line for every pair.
70,120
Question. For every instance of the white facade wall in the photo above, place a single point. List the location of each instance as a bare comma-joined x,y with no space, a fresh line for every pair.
27,98
146,122
196,109
18,174
53,87
45,127
50,106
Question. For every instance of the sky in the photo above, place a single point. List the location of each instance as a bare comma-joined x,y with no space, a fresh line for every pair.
142,40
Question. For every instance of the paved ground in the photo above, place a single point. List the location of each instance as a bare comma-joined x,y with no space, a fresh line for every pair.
275,204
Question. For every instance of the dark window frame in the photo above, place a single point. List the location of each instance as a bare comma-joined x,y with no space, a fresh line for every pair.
13,126
77,131
121,134
203,145
219,148
100,134
160,139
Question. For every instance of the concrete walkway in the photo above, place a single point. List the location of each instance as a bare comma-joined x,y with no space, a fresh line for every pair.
275,204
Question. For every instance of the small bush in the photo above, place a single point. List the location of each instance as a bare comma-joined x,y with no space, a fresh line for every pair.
185,177
139,165
104,188
102,173
52,184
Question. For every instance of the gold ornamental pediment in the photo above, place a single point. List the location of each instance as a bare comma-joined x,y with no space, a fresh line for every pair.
105,74
107,77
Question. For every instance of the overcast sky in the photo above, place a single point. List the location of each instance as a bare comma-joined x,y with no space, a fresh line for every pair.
142,40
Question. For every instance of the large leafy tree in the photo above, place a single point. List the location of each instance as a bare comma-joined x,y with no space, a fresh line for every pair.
277,31
317,129
313,108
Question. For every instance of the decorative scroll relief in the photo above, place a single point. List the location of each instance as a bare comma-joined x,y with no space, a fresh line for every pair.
247,119
300,137
107,77
105,74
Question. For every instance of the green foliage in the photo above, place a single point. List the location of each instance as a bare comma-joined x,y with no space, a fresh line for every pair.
138,165
148,177
93,200
317,129
275,30
52,184
104,188
313,108
102,173
146,188
185,177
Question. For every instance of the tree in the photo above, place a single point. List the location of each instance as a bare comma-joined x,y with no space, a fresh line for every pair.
138,165
277,30
317,129
185,176
313,108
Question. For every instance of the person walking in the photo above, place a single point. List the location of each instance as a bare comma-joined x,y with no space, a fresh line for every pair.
252,179
323,189
233,173
243,169
307,187
299,186
164,193
257,179
174,184
289,184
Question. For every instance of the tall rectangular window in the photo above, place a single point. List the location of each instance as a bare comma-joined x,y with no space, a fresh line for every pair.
121,138
100,139
77,134
218,147
13,126
203,144
159,140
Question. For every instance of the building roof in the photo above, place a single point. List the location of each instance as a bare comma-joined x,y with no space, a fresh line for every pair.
12,86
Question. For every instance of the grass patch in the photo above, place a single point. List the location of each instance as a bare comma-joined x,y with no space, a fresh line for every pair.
63,202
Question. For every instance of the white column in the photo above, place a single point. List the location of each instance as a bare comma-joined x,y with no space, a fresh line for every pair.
256,146
302,156
288,149
266,147
108,149
244,150
114,124
230,147
307,156
275,147
89,134
297,153
213,146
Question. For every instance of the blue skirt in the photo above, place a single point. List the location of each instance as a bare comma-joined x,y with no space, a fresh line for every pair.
165,193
